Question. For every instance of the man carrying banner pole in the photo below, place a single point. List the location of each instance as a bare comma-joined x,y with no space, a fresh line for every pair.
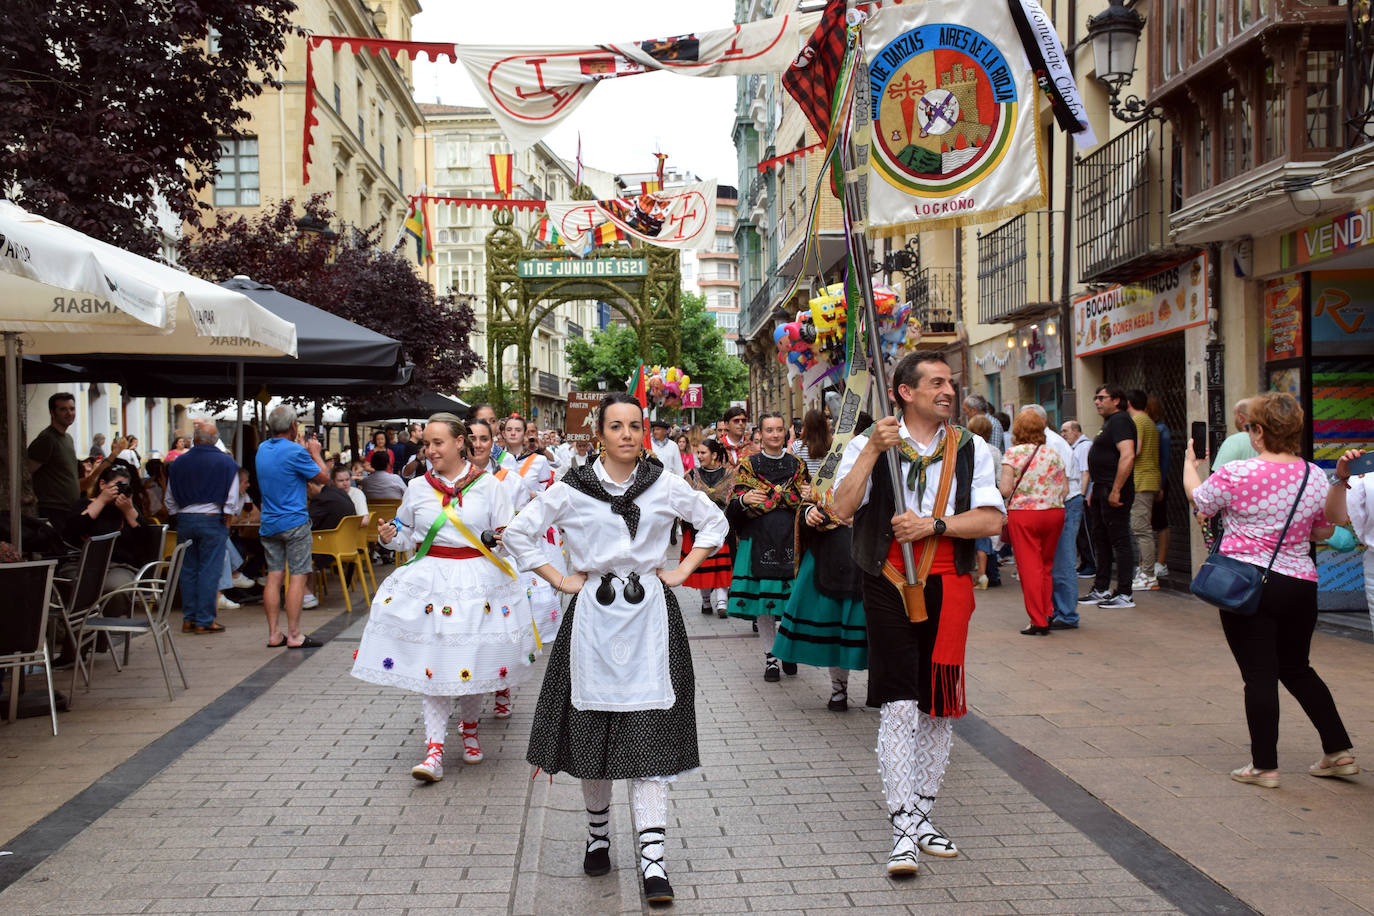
918,609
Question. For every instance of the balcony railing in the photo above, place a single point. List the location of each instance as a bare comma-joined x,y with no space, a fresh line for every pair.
1122,203
934,296
1359,73
1016,268
575,330
760,308
548,321
547,383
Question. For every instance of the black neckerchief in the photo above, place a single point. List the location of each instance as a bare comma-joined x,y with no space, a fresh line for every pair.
585,481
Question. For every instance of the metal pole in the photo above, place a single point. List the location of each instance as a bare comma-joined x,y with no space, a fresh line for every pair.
12,445
858,252
238,399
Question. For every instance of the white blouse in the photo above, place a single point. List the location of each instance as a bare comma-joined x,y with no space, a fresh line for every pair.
485,506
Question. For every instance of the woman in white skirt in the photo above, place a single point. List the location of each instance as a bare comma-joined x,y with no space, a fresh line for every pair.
525,480
455,620
617,700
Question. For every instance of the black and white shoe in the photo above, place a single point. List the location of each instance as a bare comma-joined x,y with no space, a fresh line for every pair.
657,890
903,861
1096,596
839,697
772,673
597,860
789,669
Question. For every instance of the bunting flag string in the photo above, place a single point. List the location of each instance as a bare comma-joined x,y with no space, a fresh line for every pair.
785,158
483,203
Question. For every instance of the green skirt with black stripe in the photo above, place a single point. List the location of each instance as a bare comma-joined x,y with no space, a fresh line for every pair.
819,630
751,597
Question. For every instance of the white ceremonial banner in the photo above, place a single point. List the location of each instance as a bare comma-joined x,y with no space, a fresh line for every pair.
953,106
531,90
682,217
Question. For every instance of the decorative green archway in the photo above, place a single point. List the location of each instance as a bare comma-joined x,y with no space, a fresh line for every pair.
524,284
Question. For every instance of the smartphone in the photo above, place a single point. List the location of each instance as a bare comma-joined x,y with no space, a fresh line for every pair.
1361,465
1199,437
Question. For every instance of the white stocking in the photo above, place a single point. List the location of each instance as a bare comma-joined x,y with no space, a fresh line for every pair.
596,793
934,736
719,596
839,680
470,706
436,711
896,764
649,799
768,631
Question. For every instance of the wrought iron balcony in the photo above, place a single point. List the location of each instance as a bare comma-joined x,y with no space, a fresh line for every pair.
934,296
1123,206
547,383
1016,268
575,330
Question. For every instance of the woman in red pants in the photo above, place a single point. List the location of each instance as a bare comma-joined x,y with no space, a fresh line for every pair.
1034,484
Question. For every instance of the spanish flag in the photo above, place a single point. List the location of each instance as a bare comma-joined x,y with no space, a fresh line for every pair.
607,233
503,173
417,227
649,187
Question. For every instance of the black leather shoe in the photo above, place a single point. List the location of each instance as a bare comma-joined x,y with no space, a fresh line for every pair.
838,705
1033,630
771,674
789,669
658,891
597,863
1061,625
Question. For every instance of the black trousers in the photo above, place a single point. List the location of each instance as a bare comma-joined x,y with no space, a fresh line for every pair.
1272,647
1083,540
1111,534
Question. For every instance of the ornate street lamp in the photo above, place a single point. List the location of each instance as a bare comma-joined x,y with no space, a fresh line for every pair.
312,228
1115,35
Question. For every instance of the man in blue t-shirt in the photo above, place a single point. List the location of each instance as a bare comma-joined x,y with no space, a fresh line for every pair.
284,468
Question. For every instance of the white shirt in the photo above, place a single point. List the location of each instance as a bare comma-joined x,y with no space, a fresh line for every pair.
668,453
1066,454
1080,458
1359,502
984,485
359,501
232,504
485,506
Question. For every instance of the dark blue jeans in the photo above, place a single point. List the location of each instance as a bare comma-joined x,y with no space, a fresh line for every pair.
201,568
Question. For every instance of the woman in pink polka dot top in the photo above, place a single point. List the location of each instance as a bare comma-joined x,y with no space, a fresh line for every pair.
1272,646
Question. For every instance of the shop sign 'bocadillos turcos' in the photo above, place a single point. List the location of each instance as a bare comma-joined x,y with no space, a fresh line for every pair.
1164,302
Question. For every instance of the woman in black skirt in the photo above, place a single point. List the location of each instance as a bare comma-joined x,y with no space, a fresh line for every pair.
617,700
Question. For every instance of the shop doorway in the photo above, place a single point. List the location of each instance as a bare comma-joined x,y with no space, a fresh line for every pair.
1160,369
1048,393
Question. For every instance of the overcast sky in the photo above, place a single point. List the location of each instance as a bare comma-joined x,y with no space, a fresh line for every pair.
624,120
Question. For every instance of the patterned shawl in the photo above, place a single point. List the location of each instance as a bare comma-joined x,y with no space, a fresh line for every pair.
585,481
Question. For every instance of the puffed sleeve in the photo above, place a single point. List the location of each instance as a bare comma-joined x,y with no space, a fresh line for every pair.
499,500
984,485
697,509
524,536
1214,494
851,455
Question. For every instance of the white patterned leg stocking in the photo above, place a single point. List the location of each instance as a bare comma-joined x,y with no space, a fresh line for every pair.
596,793
436,711
839,682
649,799
768,631
897,765
719,595
470,707
934,737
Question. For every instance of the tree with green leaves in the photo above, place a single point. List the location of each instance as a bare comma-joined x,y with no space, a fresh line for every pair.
613,355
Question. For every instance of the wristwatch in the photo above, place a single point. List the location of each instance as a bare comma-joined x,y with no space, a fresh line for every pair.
939,526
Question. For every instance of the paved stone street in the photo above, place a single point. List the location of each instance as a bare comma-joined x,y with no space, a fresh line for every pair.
302,801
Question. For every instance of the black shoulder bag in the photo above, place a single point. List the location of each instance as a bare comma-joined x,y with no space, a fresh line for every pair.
1234,585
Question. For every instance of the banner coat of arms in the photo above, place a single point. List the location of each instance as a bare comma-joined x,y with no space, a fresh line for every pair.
953,106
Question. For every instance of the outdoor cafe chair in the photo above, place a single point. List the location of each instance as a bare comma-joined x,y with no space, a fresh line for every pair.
382,510
340,544
78,601
24,627
154,591
365,548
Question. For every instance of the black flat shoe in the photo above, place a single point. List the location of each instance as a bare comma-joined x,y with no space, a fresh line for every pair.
658,891
1033,630
597,863
1061,625
789,668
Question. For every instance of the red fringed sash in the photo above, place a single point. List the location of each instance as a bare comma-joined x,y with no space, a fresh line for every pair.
951,636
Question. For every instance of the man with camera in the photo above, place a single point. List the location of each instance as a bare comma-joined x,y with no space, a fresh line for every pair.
200,484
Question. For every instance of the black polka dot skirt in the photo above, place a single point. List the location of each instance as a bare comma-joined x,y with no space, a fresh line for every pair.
595,744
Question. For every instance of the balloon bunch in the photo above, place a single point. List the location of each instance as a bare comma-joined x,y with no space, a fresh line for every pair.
813,345
666,386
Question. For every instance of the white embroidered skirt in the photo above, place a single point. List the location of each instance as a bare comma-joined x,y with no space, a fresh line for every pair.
448,627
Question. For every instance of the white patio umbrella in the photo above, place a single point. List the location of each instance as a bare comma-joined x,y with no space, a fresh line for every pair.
62,291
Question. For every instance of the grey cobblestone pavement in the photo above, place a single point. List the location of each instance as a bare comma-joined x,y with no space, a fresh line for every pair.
303,803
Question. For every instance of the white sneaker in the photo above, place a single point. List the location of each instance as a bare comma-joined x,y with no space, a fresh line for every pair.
242,581
224,604
1161,571
310,603
431,769
1116,601
1144,584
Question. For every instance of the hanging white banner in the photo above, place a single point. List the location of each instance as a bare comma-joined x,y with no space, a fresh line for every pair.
683,217
953,106
531,90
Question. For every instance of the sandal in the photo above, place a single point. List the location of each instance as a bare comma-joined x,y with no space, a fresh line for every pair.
1331,765
307,642
278,645
1251,776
